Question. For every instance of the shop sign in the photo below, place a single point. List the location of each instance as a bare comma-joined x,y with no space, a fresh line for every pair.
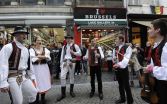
102,23
99,13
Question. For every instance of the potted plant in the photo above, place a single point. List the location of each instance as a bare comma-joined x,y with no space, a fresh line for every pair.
14,2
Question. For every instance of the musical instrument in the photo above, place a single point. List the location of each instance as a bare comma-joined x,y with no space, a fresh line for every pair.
148,93
130,61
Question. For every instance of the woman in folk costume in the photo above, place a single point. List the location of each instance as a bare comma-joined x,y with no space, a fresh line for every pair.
158,66
134,65
40,55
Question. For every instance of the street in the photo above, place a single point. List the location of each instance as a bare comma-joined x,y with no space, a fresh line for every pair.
82,89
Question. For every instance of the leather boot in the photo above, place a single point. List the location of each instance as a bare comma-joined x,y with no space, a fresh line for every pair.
71,90
43,101
63,94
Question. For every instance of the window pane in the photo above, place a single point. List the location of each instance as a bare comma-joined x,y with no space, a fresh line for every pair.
55,2
29,2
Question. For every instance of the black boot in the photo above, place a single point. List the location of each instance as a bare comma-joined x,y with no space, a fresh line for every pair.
71,90
91,94
43,101
101,96
63,94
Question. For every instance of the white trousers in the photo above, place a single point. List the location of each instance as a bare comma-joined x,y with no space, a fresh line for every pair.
25,89
64,70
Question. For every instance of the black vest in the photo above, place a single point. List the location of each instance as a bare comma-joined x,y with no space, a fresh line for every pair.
72,48
44,61
157,52
14,59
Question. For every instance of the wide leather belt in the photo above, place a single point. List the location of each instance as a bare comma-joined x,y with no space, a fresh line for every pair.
71,60
14,73
18,74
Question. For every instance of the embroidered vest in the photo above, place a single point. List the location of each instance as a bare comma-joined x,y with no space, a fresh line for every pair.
44,61
92,59
157,52
15,57
122,51
72,48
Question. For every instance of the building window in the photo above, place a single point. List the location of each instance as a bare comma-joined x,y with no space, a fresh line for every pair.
29,2
134,2
103,3
55,2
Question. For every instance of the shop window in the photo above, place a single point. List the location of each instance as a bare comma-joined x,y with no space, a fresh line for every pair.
55,2
6,2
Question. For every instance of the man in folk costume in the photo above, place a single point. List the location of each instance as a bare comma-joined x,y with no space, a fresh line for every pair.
16,75
94,55
158,66
123,54
67,64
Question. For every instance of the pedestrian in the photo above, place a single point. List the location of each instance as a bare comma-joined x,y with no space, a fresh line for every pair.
67,63
109,59
84,61
16,75
94,55
40,56
158,66
58,57
134,66
123,54
78,65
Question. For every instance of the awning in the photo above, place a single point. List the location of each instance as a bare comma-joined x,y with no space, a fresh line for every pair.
145,23
95,23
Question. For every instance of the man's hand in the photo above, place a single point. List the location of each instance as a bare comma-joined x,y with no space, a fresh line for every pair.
116,66
149,69
4,90
97,55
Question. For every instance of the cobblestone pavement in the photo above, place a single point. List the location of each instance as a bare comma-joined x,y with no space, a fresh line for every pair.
82,89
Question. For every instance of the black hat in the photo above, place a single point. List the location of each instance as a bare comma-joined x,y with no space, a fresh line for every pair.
68,37
19,29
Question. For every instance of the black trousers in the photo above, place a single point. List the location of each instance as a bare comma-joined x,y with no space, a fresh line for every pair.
78,67
122,76
162,91
109,62
96,70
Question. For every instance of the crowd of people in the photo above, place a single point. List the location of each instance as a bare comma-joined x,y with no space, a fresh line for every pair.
31,70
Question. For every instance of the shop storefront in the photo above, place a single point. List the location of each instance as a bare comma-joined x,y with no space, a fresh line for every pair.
103,24
138,24
98,23
50,28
